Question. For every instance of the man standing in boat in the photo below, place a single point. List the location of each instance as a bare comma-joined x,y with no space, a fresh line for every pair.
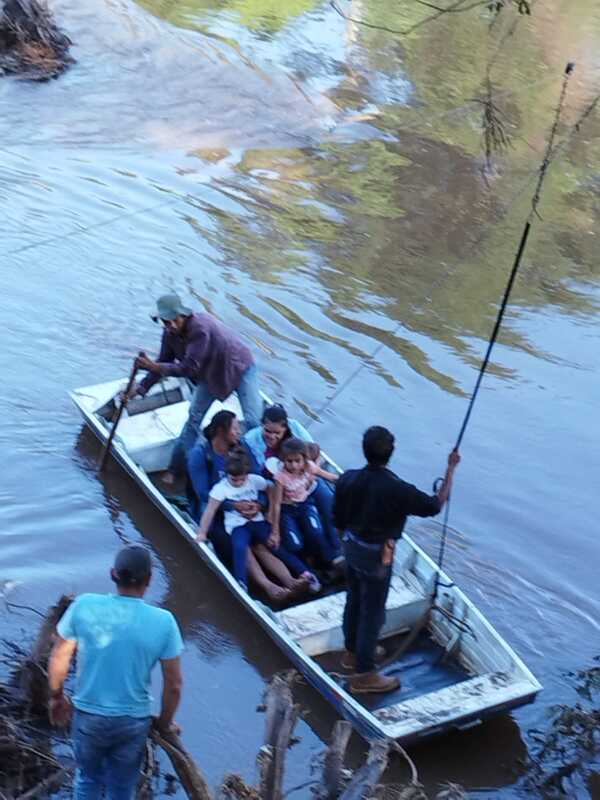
370,510
198,347
118,639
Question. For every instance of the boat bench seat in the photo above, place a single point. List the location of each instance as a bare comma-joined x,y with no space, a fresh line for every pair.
149,438
317,625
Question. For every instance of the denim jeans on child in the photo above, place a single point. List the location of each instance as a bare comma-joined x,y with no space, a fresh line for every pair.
108,754
245,535
302,529
368,586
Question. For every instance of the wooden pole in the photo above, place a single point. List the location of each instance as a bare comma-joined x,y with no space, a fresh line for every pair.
333,767
281,718
123,405
367,777
192,779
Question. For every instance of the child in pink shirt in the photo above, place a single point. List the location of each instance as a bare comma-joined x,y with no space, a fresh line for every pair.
294,516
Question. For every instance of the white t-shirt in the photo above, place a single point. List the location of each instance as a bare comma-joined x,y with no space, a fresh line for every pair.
223,490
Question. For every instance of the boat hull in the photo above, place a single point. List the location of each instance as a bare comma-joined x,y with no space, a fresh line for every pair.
404,721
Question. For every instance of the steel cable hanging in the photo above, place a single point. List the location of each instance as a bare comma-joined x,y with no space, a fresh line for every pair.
462,625
547,160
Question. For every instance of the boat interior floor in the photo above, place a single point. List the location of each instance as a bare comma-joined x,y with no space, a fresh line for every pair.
421,670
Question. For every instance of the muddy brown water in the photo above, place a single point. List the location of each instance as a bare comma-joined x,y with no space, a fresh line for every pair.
317,184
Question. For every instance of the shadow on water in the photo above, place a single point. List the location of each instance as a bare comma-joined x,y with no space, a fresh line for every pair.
212,620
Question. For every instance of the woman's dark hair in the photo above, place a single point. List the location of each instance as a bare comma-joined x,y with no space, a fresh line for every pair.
237,462
378,445
293,447
221,421
275,413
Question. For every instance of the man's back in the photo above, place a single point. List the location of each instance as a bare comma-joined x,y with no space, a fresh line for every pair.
119,640
373,503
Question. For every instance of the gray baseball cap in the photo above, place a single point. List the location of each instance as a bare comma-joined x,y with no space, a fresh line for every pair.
169,306
133,565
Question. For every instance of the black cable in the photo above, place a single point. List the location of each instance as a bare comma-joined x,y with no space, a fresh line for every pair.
548,156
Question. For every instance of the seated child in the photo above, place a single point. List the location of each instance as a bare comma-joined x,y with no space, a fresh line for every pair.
239,485
295,515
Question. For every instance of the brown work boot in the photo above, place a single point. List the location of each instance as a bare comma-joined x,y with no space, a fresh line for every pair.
372,682
349,659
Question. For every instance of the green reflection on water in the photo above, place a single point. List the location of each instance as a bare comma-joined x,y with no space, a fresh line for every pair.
410,221
267,16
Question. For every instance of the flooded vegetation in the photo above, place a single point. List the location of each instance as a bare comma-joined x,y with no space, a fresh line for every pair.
324,185
31,45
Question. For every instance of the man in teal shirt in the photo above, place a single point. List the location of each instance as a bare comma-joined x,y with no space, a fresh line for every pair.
119,639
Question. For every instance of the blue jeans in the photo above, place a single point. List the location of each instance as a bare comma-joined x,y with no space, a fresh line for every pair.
221,540
258,531
322,497
108,754
368,586
301,529
250,400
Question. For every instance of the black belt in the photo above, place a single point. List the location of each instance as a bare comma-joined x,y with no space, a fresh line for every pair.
371,545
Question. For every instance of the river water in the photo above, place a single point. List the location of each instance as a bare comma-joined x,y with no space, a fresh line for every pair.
320,185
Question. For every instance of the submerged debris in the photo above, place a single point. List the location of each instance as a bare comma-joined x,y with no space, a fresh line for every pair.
31,45
566,762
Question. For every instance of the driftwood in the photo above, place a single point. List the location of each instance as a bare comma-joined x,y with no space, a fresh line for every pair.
48,785
281,718
192,779
364,782
32,673
30,770
31,45
333,767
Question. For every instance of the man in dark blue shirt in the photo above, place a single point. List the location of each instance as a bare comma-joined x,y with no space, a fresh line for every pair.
370,510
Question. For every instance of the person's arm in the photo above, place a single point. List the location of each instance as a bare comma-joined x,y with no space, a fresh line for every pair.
207,518
443,492
420,504
323,473
171,694
190,366
59,709
166,354
275,495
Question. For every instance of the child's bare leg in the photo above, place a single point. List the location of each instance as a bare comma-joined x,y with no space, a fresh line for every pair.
274,592
276,567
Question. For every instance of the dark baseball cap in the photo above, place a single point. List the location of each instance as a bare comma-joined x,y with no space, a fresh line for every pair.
132,566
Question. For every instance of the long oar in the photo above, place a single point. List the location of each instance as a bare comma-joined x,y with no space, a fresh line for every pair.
123,405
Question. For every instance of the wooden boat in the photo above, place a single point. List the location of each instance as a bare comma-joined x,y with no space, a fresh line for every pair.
457,672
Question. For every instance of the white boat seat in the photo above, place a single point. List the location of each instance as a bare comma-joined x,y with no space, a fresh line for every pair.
317,625
149,438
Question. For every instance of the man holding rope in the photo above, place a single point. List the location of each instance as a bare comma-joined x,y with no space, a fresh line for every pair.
215,361
118,639
370,509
